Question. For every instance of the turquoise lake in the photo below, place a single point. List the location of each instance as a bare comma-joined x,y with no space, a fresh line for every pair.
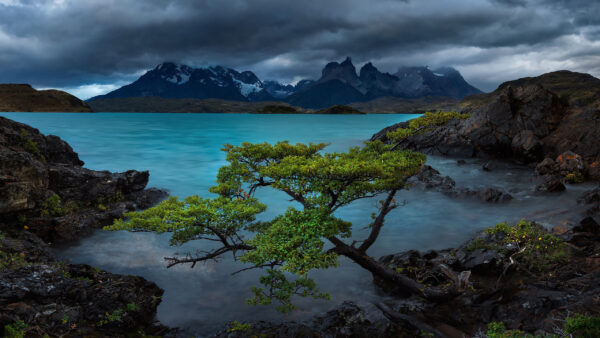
182,153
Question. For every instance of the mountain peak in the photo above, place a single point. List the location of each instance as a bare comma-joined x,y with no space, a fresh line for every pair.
344,72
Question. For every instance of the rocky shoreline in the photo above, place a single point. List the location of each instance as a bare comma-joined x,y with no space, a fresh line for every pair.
46,197
524,278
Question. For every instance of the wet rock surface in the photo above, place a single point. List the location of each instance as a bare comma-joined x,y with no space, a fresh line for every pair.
495,286
46,196
44,187
431,179
520,121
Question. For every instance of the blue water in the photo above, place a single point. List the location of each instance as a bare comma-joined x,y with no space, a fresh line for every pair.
182,153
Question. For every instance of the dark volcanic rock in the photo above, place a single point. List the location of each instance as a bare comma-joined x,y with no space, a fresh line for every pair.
498,290
66,299
432,179
551,184
44,187
45,192
591,198
524,121
347,320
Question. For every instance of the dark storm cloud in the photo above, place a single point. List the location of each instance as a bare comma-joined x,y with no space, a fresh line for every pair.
98,44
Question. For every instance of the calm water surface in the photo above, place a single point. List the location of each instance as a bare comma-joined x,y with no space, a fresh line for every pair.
182,153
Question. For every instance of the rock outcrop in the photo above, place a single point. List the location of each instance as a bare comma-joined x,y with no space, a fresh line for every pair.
46,196
51,297
529,121
43,187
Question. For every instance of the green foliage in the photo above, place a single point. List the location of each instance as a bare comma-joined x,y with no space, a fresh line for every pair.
425,123
132,307
115,316
583,326
476,244
30,145
542,250
10,261
574,177
497,330
237,326
16,329
294,243
53,206
280,289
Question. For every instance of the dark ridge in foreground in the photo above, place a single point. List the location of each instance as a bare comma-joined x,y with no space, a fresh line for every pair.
47,197
23,98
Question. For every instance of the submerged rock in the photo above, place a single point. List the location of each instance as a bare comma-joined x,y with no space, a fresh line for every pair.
551,184
432,179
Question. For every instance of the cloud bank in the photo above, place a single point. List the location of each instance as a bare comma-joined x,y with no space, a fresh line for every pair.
90,47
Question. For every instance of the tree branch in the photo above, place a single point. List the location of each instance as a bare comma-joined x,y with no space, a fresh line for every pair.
378,223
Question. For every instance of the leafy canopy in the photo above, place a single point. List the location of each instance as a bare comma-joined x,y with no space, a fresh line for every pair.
425,123
295,242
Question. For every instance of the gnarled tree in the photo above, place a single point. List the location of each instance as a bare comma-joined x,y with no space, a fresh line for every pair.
294,242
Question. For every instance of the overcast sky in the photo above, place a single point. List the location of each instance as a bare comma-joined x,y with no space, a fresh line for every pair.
89,47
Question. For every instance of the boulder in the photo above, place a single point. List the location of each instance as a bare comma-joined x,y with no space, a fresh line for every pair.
551,184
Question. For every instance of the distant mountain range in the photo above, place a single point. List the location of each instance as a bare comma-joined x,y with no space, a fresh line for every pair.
339,84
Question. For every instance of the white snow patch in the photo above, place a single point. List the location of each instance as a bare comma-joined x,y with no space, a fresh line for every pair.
247,88
438,74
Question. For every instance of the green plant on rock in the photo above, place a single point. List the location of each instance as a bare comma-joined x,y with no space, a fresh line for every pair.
30,145
132,307
10,260
497,330
237,326
17,329
574,177
306,237
583,326
539,250
53,206
476,244
115,316
424,123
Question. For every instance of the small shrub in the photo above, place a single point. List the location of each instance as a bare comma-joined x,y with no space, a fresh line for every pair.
30,145
476,244
574,177
16,329
9,261
425,123
541,248
583,326
53,206
497,330
115,316
237,326
132,307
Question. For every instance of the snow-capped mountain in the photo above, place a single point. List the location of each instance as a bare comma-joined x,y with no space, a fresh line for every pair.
339,84
280,91
170,80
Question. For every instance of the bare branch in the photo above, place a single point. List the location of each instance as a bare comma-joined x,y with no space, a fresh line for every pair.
388,205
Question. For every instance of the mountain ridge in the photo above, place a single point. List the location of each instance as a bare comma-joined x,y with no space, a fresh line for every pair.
339,84
24,98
